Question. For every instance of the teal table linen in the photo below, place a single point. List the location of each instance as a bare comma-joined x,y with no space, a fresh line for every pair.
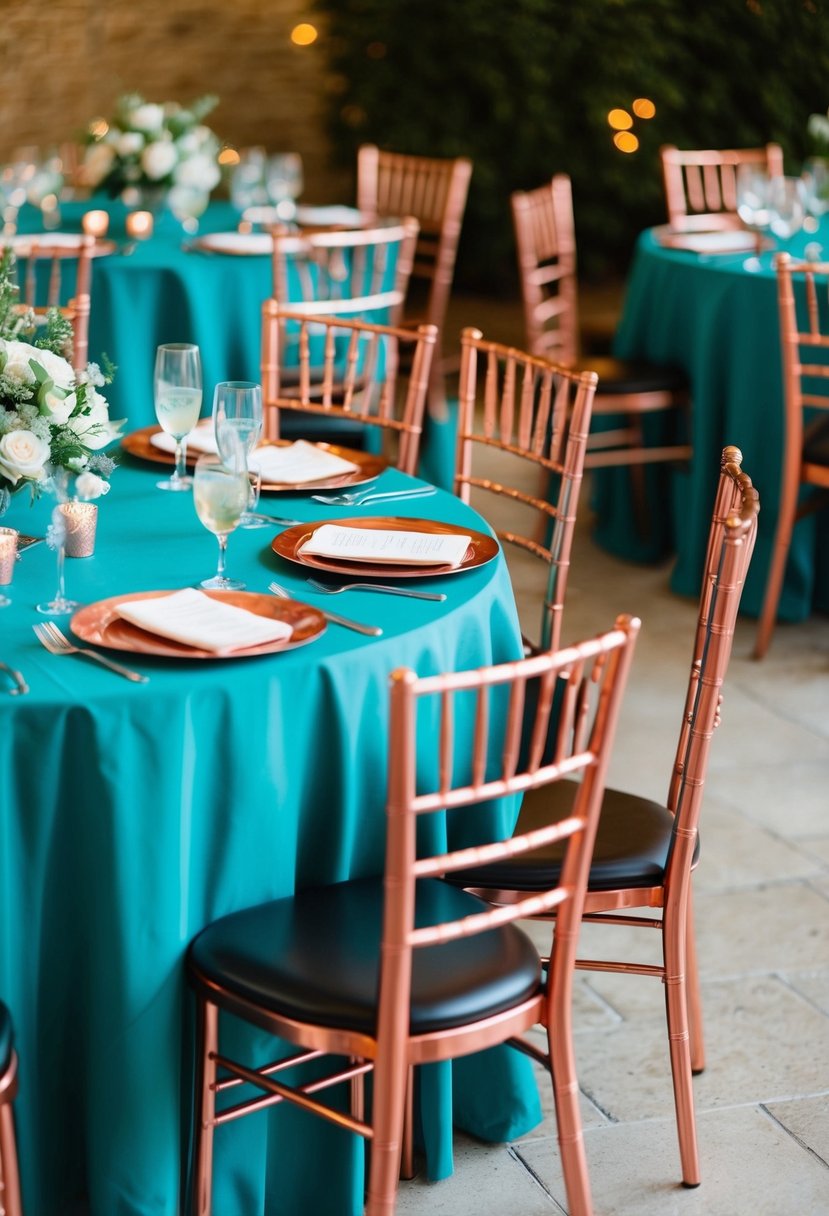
715,316
133,815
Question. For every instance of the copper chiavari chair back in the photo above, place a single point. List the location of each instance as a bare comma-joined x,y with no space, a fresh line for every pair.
47,269
10,1203
627,392
346,373
645,852
517,413
804,339
701,186
351,968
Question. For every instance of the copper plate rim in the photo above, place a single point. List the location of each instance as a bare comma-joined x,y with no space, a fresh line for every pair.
206,245
482,548
98,625
103,246
137,444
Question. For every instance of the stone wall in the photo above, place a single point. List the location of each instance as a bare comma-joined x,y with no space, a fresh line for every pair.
65,61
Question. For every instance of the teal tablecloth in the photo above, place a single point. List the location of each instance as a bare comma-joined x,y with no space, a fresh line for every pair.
131,816
715,317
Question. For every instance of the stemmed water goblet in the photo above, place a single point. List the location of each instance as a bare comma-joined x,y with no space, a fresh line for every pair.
220,495
283,181
787,206
178,393
237,422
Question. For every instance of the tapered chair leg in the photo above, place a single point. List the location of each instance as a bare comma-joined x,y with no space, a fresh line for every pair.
10,1202
692,993
207,1023
389,1100
568,1115
674,940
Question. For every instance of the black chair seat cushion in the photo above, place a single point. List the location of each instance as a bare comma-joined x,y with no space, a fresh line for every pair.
6,1038
631,849
315,957
618,377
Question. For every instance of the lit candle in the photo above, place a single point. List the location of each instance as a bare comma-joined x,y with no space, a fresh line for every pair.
81,519
95,223
140,225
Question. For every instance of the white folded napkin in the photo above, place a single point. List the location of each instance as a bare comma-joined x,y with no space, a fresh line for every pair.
388,545
731,240
196,619
201,439
334,214
297,463
236,242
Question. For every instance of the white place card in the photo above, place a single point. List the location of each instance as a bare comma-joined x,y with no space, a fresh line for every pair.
387,545
298,462
197,620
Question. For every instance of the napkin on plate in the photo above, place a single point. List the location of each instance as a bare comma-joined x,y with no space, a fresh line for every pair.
298,462
387,545
730,240
236,242
196,619
201,439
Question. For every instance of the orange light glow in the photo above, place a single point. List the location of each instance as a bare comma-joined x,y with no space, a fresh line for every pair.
626,141
643,107
304,34
98,128
620,120
228,156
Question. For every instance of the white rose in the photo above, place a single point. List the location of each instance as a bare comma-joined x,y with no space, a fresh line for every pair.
58,405
198,172
130,143
94,428
23,454
90,485
148,117
97,163
14,357
189,143
56,367
158,159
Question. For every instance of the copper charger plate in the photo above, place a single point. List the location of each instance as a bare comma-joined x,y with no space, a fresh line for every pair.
98,625
288,544
369,466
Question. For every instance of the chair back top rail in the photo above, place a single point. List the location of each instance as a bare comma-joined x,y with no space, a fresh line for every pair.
701,185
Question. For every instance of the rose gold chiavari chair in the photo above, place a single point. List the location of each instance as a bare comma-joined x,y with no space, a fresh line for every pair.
349,969
360,273
645,852
546,244
805,349
434,190
57,260
520,412
347,376
10,1203
701,186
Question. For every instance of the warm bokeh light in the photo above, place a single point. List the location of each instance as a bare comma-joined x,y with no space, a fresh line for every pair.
228,156
98,128
643,107
303,34
626,141
620,120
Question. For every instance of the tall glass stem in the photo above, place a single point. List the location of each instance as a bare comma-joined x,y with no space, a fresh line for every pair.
222,539
180,471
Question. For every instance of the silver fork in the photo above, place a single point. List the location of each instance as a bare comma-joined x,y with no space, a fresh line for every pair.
372,631
356,498
330,589
55,642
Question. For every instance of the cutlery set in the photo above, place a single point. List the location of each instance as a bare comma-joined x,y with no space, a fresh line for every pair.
53,640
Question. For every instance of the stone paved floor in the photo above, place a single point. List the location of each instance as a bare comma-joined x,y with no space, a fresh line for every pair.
762,896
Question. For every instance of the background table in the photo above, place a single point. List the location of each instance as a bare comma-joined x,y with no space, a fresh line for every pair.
131,816
714,316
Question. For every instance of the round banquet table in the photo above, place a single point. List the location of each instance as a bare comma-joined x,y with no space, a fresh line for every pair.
715,316
133,815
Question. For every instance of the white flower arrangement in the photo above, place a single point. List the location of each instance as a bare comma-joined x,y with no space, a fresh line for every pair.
51,417
818,131
151,145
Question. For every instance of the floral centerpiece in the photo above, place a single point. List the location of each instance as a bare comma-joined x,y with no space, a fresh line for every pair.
817,129
152,149
54,422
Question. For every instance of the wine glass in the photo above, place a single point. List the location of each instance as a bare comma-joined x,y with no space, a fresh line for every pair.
188,204
787,206
283,182
220,495
753,197
177,401
247,181
237,422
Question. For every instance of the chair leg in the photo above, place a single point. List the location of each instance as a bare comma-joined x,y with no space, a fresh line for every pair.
696,1037
205,1107
407,1169
568,1115
777,569
10,1202
676,1005
388,1101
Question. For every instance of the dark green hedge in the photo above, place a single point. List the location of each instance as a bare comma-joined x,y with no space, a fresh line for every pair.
524,87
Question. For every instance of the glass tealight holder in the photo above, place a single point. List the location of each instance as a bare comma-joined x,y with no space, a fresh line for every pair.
95,223
139,225
8,558
81,519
